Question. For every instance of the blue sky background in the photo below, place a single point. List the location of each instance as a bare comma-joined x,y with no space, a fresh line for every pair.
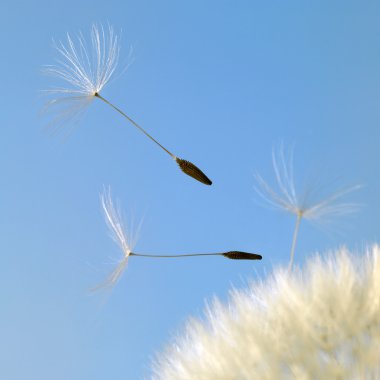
218,83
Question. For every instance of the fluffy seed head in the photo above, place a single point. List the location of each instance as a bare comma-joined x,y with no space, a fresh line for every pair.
319,322
84,67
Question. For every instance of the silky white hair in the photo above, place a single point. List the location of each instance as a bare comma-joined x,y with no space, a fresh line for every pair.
125,237
85,67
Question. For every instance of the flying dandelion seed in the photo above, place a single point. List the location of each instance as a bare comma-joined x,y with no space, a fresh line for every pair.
87,68
304,205
127,242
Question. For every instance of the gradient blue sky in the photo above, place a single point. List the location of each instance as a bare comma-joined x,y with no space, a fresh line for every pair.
219,83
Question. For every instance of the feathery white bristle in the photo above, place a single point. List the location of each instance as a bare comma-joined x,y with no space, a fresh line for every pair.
85,67
126,239
307,203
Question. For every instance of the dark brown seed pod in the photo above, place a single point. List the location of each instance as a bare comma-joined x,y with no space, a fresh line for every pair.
191,170
237,255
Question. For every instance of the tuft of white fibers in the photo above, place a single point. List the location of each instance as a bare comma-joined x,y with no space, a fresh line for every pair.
85,67
319,322
307,204
126,241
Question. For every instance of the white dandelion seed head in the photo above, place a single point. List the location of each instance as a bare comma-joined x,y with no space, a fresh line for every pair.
307,204
84,66
125,238
319,322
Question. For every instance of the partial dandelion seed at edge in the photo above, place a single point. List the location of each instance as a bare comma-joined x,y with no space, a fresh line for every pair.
303,206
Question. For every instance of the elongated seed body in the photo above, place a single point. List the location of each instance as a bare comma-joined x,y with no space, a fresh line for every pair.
193,171
238,255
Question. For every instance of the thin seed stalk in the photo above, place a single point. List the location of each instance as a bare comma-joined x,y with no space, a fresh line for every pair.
233,255
294,241
186,166
135,124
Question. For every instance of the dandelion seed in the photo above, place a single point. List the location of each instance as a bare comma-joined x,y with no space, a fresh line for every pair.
87,68
304,206
127,243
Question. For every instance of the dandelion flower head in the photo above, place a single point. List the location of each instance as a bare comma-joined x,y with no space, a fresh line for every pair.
319,322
